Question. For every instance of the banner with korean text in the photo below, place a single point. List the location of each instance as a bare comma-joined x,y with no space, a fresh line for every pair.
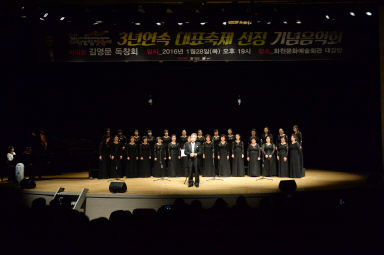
108,45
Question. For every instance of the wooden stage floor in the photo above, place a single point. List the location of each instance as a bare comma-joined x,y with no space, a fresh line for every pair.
314,180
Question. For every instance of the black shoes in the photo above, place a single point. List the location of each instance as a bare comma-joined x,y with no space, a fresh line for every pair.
191,184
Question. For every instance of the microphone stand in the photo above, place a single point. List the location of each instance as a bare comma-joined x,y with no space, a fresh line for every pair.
263,177
162,178
214,177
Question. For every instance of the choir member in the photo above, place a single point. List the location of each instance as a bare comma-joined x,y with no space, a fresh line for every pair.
263,138
254,135
230,139
208,157
159,157
296,169
174,157
254,158
116,156
151,139
123,142
183,170
166,140
282,157
137,137
122,139
200,162
145,158
216,140
223,157
131,169
238,157
268,149
200,137
105,157
183,138
281,135
298,134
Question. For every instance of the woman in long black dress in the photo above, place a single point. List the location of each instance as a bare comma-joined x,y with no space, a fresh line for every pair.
151,139
216,140
159,157
223,157
238,157
105,157
263,138
230,139
268,149
145,158
281,135
131,170
254,135
299,136
116,156
166,140
174,157
137,137
295,164
208,157
183,169
282,158
254,158
201,139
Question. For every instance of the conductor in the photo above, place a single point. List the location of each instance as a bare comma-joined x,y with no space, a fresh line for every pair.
192,150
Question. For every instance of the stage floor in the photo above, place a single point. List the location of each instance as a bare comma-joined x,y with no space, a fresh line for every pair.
314,180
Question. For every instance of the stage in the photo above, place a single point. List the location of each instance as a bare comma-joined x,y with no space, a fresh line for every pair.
148,193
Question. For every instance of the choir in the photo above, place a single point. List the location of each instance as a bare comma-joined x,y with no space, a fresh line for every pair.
223,155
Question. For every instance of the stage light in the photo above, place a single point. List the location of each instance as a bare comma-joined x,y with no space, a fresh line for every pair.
23,17
187,22
41,19
99,21
150,101
62,18
45,14
180,23
369,13
298,21
269,23
239,100
224,23
158,23
352,14
285,22
137,23
327,16
259,21
203,23
22,7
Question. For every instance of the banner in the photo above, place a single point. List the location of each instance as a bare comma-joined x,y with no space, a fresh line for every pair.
125,45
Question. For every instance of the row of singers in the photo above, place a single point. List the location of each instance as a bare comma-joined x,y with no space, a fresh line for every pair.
230,137
143,160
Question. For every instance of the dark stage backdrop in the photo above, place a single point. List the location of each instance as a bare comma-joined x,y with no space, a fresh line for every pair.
336,105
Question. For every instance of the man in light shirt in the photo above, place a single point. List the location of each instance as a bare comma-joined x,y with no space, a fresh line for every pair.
192,150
